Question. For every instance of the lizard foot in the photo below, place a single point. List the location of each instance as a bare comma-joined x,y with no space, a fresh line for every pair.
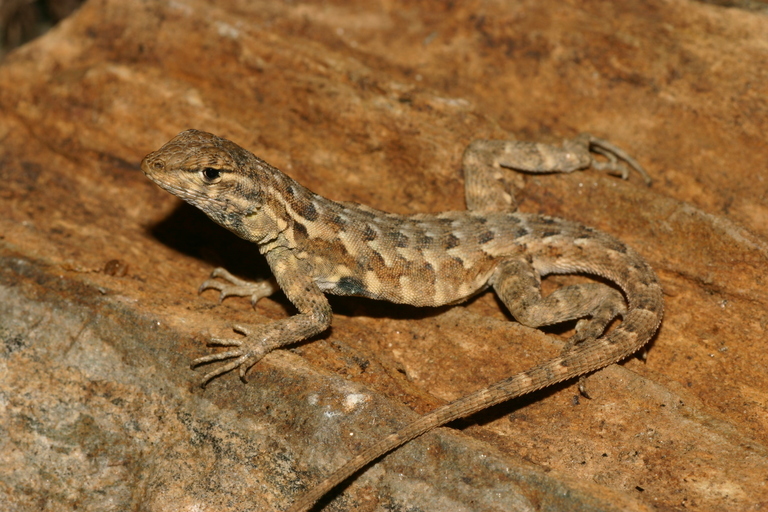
236,287
589,329
613,153
586,330
249,351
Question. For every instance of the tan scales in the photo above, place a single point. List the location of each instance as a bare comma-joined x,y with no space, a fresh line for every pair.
316,246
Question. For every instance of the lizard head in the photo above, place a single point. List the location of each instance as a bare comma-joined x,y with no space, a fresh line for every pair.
211,173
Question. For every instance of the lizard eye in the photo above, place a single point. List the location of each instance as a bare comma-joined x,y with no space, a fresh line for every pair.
211,175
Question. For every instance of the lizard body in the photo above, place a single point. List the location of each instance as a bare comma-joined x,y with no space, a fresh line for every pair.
316,246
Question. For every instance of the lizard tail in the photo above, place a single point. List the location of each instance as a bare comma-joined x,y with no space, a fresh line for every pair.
619,264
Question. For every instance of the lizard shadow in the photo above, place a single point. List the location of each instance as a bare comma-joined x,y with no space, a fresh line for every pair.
190,232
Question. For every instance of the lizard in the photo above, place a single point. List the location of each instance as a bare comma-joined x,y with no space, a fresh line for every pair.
315,246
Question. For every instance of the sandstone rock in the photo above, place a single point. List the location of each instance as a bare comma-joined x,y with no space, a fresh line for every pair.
374,103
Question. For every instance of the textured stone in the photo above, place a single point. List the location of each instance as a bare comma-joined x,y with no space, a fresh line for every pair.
374,103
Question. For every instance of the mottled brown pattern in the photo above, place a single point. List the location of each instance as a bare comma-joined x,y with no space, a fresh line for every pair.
316,246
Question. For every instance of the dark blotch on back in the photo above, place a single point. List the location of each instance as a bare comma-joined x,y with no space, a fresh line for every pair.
338,221
369,234
307,210
451,241
424,242
521,232
300,230
399,239
486,237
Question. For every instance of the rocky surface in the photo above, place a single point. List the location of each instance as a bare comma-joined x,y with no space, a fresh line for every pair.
374,103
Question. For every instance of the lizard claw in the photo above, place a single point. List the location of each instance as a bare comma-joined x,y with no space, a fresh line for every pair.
251,349
613,154
222,369
243,329
225,342
612,166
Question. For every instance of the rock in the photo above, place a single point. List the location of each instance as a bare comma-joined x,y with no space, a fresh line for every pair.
375,103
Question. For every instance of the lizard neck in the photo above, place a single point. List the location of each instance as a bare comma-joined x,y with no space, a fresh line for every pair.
288,211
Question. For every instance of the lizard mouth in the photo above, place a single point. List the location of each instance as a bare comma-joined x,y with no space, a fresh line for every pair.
194,197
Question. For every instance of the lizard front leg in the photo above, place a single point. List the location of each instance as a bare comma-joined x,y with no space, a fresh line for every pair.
235,287
296,282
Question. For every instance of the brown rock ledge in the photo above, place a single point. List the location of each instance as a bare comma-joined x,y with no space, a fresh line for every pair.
374,103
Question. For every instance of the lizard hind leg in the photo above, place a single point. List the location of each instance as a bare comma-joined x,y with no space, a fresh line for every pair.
487,188
594,305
